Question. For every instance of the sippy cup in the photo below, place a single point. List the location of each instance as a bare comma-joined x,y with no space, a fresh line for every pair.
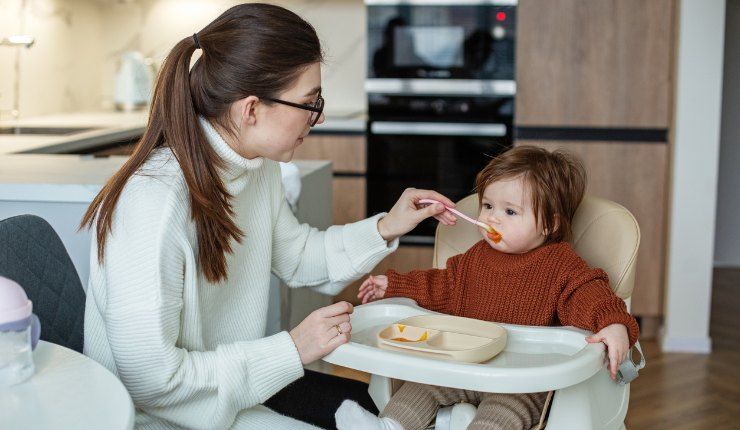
19,333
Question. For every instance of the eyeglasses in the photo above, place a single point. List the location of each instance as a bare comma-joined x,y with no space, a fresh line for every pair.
316,108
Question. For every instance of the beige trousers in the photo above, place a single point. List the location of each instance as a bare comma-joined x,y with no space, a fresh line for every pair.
415,406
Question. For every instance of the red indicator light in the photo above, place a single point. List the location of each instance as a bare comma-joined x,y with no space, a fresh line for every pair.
501,16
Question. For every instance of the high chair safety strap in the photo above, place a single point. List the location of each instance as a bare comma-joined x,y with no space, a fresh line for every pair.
629,370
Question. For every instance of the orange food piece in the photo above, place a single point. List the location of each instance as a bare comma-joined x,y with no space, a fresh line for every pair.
494,236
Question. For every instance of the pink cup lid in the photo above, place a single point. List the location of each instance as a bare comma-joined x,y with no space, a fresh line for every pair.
14,304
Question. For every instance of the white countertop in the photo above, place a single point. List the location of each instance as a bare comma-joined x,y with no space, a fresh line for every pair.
107,126
112,126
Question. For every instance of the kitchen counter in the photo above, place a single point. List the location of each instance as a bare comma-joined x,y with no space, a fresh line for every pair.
110,127
104,127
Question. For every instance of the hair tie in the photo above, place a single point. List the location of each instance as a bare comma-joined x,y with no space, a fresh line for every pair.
197,41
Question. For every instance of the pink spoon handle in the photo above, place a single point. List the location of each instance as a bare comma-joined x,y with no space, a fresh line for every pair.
460,214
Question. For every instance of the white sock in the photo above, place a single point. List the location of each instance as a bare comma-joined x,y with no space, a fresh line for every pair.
352,416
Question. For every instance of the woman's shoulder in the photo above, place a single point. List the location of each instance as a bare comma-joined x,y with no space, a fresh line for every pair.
157,186
160,173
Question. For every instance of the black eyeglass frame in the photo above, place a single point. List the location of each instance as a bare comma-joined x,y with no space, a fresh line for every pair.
312,108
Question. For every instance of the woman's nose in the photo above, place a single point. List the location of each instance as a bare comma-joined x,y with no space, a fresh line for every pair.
321,118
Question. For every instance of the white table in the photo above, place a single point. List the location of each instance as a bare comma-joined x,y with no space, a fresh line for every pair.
67,391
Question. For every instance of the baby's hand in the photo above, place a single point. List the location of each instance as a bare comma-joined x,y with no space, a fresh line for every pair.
617,344
373,288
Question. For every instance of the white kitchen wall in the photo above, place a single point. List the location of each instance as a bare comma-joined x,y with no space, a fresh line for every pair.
79,42
154,26
727,245
61,72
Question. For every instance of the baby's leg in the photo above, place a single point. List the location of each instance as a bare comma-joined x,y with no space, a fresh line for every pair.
508,411
415,405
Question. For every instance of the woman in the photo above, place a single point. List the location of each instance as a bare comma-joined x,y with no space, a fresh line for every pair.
188,231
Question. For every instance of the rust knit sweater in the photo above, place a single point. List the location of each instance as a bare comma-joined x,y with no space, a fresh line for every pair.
550,285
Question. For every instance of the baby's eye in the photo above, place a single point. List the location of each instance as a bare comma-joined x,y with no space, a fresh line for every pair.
510,212
486,206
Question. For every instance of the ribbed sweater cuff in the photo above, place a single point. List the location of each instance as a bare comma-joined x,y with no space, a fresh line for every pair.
272,363
398,286
364,244
617,317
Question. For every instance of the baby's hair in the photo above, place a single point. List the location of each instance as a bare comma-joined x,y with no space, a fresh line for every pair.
556,182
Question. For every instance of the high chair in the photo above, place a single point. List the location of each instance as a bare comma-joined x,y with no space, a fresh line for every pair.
536,359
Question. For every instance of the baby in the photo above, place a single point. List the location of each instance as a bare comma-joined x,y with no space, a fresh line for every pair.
531,276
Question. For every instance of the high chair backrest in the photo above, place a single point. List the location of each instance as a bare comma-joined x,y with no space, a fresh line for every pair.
605,234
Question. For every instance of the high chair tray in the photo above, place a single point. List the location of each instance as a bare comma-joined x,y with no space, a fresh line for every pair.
535,359
444,337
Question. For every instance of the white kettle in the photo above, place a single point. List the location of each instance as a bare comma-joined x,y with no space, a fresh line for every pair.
133,82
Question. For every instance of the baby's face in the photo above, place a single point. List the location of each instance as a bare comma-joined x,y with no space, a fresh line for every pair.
507,207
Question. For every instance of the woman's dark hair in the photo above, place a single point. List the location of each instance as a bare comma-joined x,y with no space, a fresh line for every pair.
251,49
556,180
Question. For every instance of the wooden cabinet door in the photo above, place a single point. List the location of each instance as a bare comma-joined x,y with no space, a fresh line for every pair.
346,152
594,63
349,199
634,175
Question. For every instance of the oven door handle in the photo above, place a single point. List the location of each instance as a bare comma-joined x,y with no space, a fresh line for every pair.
437,129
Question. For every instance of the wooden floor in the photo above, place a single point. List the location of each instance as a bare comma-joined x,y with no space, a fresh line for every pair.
686,391
694,391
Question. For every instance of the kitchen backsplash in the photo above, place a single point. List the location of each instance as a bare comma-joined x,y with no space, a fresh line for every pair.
72,65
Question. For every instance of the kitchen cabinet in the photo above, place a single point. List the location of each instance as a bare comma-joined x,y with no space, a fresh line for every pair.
347,152
595,63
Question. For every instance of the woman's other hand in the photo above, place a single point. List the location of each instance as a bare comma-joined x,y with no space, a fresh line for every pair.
373,288
407,213
322,331
617,344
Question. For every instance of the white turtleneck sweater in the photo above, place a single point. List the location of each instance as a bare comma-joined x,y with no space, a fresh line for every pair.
192,353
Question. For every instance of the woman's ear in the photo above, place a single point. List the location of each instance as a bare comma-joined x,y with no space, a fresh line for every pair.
248,110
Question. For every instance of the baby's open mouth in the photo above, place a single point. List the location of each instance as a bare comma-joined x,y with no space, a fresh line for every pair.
493,234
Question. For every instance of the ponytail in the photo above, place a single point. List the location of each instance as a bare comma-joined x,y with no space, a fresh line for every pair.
173,120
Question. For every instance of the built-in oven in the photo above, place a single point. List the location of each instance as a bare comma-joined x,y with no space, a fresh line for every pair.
437,143
441,90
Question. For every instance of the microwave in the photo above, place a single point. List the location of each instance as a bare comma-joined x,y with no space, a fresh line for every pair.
441,47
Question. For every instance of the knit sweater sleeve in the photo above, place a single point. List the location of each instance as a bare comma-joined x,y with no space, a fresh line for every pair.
147,261
327,260
432,289
588,302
